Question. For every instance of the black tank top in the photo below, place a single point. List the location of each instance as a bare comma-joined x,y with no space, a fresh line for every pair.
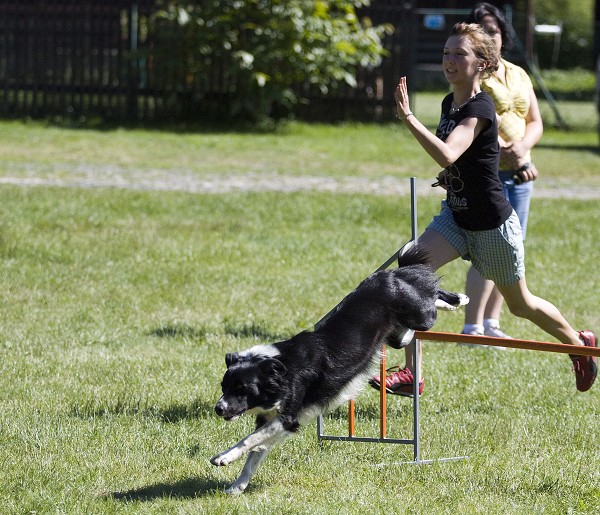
475,193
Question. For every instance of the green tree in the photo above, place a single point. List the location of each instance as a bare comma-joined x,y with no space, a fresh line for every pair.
259,51
577,40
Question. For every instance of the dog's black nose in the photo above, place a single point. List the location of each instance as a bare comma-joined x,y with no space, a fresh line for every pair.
219,410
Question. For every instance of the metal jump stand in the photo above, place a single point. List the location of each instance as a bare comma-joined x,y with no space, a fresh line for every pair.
415,440
439,337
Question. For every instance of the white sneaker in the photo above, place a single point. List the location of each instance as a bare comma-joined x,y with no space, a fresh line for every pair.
496,332
474,333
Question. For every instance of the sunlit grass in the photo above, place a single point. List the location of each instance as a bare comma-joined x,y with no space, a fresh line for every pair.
32,150
118,307
117,310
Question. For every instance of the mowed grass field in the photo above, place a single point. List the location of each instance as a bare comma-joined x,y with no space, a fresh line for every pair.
118,307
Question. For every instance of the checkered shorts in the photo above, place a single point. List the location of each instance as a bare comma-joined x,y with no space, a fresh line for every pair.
496,254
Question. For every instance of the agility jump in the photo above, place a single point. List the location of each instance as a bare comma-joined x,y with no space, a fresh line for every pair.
438,337
448,338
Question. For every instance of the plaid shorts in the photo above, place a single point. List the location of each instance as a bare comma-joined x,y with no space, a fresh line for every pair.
497,254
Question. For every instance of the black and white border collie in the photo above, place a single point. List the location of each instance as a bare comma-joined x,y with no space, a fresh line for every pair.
289,383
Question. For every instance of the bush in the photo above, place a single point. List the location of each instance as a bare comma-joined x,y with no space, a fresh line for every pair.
251,53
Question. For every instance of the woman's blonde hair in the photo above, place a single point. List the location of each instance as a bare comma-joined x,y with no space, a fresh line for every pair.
483,45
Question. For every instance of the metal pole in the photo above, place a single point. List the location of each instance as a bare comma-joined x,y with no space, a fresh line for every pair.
413,208
416,420
416,342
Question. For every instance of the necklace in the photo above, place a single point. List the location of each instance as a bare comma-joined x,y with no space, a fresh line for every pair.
455,109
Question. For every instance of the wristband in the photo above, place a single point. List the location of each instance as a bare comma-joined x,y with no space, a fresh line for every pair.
405,116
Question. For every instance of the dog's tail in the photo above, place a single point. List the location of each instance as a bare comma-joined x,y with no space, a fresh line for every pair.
450,301
412,254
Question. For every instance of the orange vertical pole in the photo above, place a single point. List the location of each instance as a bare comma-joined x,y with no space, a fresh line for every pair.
382,396
351,417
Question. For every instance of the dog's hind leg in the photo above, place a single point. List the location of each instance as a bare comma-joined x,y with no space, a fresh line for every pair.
255,458
450,301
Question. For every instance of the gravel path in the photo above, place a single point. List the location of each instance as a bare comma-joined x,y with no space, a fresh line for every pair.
80,176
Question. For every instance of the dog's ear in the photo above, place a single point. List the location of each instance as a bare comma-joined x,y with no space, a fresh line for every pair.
231,358
272,367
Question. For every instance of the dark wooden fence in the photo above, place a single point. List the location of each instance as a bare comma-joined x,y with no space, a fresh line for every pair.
94,58
66,58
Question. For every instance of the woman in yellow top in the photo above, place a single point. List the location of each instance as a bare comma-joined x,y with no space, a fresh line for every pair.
520,129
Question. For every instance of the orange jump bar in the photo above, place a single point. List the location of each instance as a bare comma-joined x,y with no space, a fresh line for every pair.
505,342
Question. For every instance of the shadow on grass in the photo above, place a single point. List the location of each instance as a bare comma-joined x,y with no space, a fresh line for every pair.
197,126
170,414
184,489
592,149
237,329
178,331
257,330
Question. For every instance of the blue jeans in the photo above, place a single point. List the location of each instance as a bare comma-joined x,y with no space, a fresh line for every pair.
519,196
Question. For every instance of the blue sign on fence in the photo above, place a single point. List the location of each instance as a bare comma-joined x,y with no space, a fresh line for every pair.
434,21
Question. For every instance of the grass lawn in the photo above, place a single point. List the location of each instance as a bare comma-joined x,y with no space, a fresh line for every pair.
118,307
31,150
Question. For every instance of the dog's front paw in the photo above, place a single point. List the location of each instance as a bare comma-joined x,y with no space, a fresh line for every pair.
220,460
224,458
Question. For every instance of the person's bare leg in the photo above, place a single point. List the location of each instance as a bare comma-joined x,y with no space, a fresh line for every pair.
494,305
478,290
522,303
440,252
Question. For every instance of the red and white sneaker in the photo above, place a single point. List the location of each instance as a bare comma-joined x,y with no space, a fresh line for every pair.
400,382
585,367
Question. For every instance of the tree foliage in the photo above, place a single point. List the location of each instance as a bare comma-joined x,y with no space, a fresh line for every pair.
256,52
577,17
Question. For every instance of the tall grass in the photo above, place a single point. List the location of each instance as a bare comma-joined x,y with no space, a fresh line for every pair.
118,306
